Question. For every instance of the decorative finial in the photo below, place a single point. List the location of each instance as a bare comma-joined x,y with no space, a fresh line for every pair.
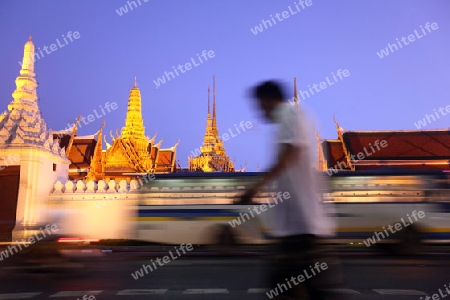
208,100
135,83
214,103
30,38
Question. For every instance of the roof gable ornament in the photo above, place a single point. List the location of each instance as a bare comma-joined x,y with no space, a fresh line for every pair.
321,159
340,132
175,146
158,145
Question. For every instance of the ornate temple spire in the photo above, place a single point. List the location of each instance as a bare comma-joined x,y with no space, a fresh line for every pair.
210,133
209,110
213,156
28,59
26,84
214,121
22,125
134,124
209,122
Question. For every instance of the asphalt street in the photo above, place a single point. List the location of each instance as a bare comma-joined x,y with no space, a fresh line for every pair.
110,277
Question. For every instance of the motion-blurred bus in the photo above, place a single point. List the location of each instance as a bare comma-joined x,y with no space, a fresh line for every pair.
364,204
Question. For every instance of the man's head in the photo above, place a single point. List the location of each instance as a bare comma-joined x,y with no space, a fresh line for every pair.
268,95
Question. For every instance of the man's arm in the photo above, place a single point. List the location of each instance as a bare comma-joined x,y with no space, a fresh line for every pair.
288,155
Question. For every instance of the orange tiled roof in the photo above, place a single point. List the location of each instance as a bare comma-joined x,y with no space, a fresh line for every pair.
418,145
415,147
333,151
153,153
165,161
81,152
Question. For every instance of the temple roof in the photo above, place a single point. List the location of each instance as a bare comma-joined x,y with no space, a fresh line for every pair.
166,161
86,137
63,132
334,150
411,149
433,144
81,152
153,153
165,157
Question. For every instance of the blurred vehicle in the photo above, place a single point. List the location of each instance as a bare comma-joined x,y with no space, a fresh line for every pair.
364,203
368,202
53,254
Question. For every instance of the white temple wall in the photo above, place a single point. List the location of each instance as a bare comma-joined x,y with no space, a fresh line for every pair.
95,211
84,218
105,210
36,181
47,176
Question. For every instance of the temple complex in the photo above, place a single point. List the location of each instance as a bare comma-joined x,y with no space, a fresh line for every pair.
212,156
386,149
130,154
133,151
42,170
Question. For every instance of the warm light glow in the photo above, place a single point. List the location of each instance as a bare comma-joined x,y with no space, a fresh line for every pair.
15,243
76,240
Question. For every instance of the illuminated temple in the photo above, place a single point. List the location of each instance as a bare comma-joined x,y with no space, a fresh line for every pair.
130,154
41,170
212,156
404,150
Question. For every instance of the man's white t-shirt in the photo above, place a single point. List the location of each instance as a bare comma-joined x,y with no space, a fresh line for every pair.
303,212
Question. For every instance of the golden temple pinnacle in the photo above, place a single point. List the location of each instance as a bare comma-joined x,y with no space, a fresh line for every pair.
209,110
132,152
212,156
214,124
134,124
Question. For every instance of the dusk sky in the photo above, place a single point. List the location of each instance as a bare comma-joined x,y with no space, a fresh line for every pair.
389,93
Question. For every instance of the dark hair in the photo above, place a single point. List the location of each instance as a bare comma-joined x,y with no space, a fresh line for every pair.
269,90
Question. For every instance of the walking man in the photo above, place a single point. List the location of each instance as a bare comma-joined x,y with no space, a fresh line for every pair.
300,221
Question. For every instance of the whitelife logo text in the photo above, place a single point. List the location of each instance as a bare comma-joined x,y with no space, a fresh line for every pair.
53,47
411,38
398,227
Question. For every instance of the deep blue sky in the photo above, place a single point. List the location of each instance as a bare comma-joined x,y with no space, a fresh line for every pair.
389,93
